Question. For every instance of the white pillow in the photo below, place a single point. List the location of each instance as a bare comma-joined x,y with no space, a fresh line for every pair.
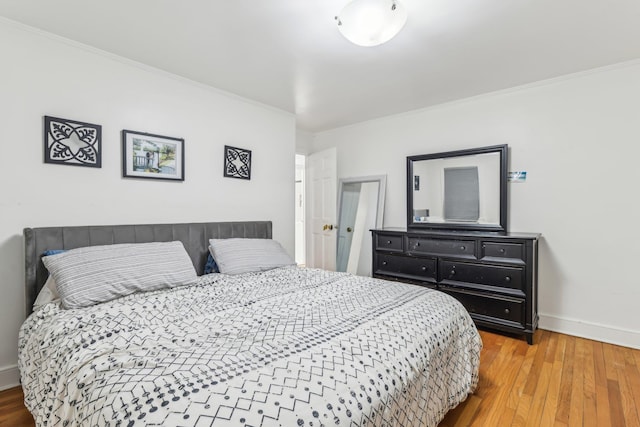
95,274
235,256
47,294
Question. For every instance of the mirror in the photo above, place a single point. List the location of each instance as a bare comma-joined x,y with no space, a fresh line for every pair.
360,208
464,189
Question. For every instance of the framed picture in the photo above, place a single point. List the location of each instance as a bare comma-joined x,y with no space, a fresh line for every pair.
70,142
145,155
237,162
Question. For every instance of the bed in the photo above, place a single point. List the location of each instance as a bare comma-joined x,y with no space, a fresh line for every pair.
288,346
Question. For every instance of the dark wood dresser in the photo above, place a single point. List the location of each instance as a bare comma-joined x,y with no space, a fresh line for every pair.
494,275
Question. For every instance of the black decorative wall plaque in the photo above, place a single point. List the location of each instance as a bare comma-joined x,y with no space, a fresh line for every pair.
70,142
237,162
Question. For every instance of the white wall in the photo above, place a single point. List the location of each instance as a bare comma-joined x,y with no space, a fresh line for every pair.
579,140
45,75
304,141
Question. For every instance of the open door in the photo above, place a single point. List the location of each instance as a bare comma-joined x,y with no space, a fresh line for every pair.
321,186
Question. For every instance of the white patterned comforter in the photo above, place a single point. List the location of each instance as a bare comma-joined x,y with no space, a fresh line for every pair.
287,347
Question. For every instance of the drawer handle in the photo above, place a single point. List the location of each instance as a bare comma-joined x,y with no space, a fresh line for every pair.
417,244
507,311
453,273
388,242
424,268
501,250
462,248
507,279
384,262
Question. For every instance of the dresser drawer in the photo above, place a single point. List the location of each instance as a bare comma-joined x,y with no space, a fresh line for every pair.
494,275
514,251
424,245
388,242
407,267
490,307
490,275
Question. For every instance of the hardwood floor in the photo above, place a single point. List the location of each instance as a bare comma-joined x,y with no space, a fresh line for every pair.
12,410
559,381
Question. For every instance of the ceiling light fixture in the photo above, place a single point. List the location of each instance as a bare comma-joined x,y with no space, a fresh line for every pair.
371,22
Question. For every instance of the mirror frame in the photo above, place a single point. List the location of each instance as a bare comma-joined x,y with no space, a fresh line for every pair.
502,150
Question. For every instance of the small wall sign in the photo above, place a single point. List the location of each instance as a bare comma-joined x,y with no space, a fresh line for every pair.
518,176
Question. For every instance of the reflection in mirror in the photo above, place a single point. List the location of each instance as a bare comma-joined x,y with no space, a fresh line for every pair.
458,189
463,189
360,208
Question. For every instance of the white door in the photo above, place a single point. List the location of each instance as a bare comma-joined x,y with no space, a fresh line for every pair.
321,209
299,211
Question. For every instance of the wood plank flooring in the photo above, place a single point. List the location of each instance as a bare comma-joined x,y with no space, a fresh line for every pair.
12,410
560,381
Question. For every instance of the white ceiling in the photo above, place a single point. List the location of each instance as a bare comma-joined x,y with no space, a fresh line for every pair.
290,55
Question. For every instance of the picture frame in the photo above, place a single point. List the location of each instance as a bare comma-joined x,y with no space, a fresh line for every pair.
237,162
151,156
72,142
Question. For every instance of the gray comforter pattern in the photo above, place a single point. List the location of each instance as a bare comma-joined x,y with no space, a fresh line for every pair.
286,347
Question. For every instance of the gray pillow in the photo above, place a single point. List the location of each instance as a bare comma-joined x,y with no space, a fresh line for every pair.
235,256
95,274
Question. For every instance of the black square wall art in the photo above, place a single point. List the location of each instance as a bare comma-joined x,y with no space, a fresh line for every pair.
70,142
237,162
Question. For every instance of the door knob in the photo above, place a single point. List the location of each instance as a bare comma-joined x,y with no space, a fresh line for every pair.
349,229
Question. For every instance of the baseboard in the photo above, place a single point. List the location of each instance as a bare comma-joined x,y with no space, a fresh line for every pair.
9,377
590,330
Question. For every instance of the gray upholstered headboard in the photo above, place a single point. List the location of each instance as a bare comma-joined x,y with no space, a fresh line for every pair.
195,238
